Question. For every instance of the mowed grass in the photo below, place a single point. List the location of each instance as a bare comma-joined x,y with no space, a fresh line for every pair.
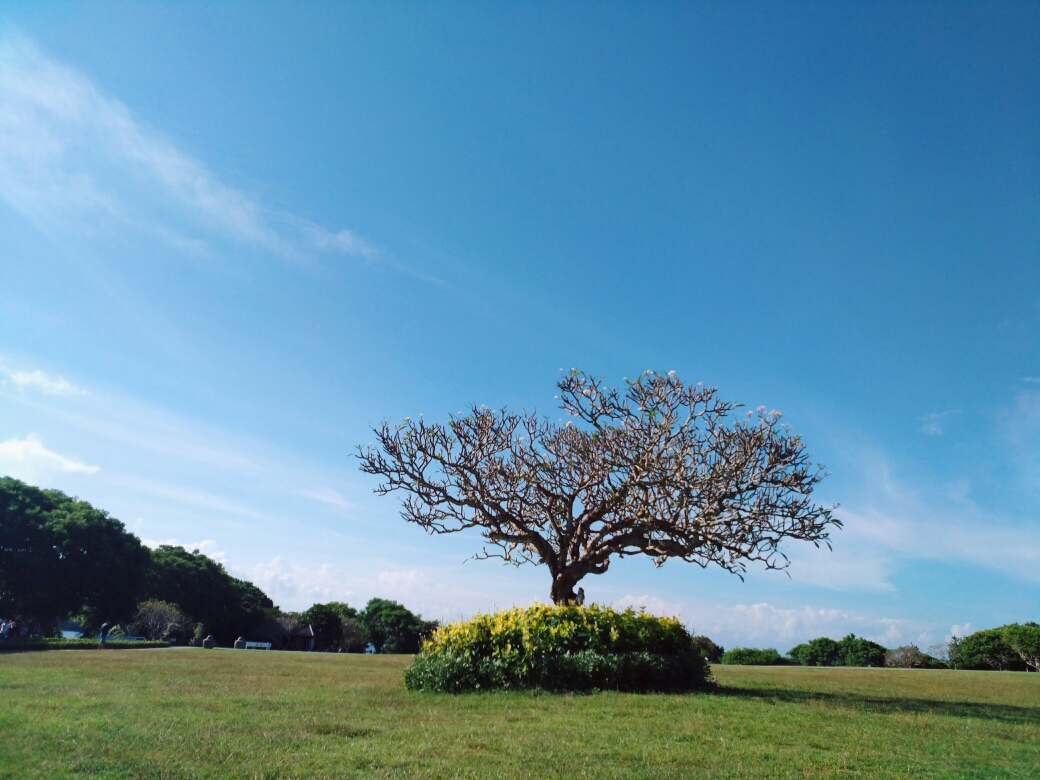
222,713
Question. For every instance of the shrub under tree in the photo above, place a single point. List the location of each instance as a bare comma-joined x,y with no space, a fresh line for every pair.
560,648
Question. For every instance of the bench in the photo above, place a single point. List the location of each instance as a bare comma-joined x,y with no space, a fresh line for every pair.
114,638
258,645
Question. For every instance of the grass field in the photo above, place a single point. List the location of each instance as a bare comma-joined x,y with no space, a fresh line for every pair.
198,713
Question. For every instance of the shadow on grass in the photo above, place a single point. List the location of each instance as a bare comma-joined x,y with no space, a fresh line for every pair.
1006,713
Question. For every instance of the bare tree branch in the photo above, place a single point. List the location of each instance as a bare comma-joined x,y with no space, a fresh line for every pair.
662,469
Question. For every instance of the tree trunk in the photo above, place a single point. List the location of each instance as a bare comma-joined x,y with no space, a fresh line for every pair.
563,590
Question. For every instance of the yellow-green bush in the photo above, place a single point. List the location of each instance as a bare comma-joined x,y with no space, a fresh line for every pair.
560,648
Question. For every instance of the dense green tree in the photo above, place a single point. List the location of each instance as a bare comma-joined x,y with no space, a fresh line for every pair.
226,606
327,622
988,649
355,635
850,651
751,656
344,610
821,651
337,627
857,651
60,556
1024,640
393,629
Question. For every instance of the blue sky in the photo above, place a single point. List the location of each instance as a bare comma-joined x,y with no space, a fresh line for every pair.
234,237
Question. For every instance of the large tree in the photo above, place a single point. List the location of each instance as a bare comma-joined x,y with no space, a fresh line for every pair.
662,469
227,606
60,557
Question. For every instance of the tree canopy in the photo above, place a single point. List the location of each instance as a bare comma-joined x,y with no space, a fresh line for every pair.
995,648
60,556
662,469
227,606
850,651
1024,640
327,622
394,629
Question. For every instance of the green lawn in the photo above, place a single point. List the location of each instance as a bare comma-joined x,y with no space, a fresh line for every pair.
222,713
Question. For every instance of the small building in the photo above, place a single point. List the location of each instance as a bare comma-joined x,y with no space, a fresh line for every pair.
302,639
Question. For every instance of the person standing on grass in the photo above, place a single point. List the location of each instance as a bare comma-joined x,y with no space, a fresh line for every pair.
4,628
104,636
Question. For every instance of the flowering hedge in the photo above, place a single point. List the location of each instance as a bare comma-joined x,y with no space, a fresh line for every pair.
560,648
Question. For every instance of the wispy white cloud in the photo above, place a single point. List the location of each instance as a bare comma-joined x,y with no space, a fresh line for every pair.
1021,422
935,423
878,538
73,158
403,579
329,497
890,523
27,459
37,380
187,496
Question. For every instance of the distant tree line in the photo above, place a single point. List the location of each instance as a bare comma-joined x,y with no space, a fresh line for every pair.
386,626
63,559
1012,647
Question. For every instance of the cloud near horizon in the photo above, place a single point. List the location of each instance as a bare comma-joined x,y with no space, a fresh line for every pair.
763,624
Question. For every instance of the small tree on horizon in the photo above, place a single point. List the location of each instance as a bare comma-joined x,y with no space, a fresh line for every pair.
288,623
662,469
393,628
158,619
